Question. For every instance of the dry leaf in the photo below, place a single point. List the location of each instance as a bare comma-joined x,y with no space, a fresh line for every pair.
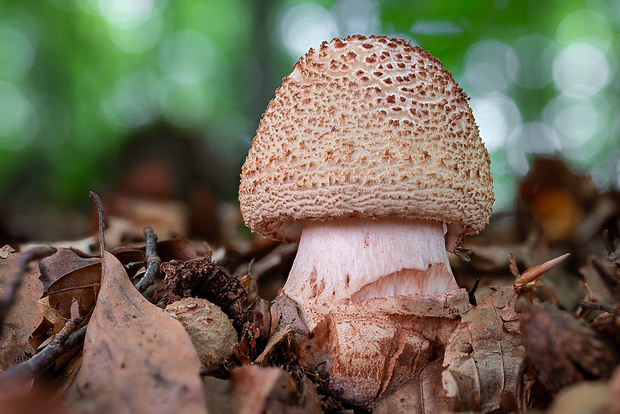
137,359
24,316
591,397
422,394
259,390
217,393
80,285
562,349
483,361
600,276
62,262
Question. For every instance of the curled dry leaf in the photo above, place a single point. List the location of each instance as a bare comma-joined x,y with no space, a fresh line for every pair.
483,361
562,349
23,318
137,359
61,263
258,390
78,287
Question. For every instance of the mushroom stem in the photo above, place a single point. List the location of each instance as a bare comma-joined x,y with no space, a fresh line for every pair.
349,260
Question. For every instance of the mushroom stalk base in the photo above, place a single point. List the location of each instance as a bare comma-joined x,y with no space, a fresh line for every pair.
350,260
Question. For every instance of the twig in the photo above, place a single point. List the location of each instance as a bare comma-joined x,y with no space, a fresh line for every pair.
16,277
99,205
152,259
599,306
64,341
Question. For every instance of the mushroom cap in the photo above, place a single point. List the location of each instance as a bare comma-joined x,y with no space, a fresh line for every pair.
366,127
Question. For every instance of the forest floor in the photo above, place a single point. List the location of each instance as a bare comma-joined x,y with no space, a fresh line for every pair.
541,333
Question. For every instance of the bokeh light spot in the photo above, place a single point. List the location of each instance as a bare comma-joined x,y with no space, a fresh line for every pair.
578,123
581,70
187,57
16,54
584,25
18,122
138,39
497,116
356,16
491,66
125,14
535,73
134,100
304,26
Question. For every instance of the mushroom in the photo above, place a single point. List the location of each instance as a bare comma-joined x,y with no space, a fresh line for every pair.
369,156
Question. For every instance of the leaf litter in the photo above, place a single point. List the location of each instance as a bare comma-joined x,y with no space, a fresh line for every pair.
530,340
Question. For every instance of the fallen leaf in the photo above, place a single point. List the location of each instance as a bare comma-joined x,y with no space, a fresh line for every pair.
62,262
592,397
600,276
80,285
24,316
217,393
423,394
483,361
562,349
137,359
258,390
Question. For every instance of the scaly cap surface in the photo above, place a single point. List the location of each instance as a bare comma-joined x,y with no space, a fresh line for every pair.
366,127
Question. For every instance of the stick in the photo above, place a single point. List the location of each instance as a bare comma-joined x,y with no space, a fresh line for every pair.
599,306
64,341
99,205
152,259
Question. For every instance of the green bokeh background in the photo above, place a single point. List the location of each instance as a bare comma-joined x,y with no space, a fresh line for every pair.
79,79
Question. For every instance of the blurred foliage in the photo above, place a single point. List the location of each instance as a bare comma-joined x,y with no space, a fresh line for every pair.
80,79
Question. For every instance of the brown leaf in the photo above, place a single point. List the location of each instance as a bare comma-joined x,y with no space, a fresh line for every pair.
23,317
562,349
592,397
137,359
258,390
217,392
600,276
80,285
483,360
62,262
420,395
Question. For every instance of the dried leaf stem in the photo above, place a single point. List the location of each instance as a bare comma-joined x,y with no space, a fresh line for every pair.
599,306
17,275
64,341
99,205
152,259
